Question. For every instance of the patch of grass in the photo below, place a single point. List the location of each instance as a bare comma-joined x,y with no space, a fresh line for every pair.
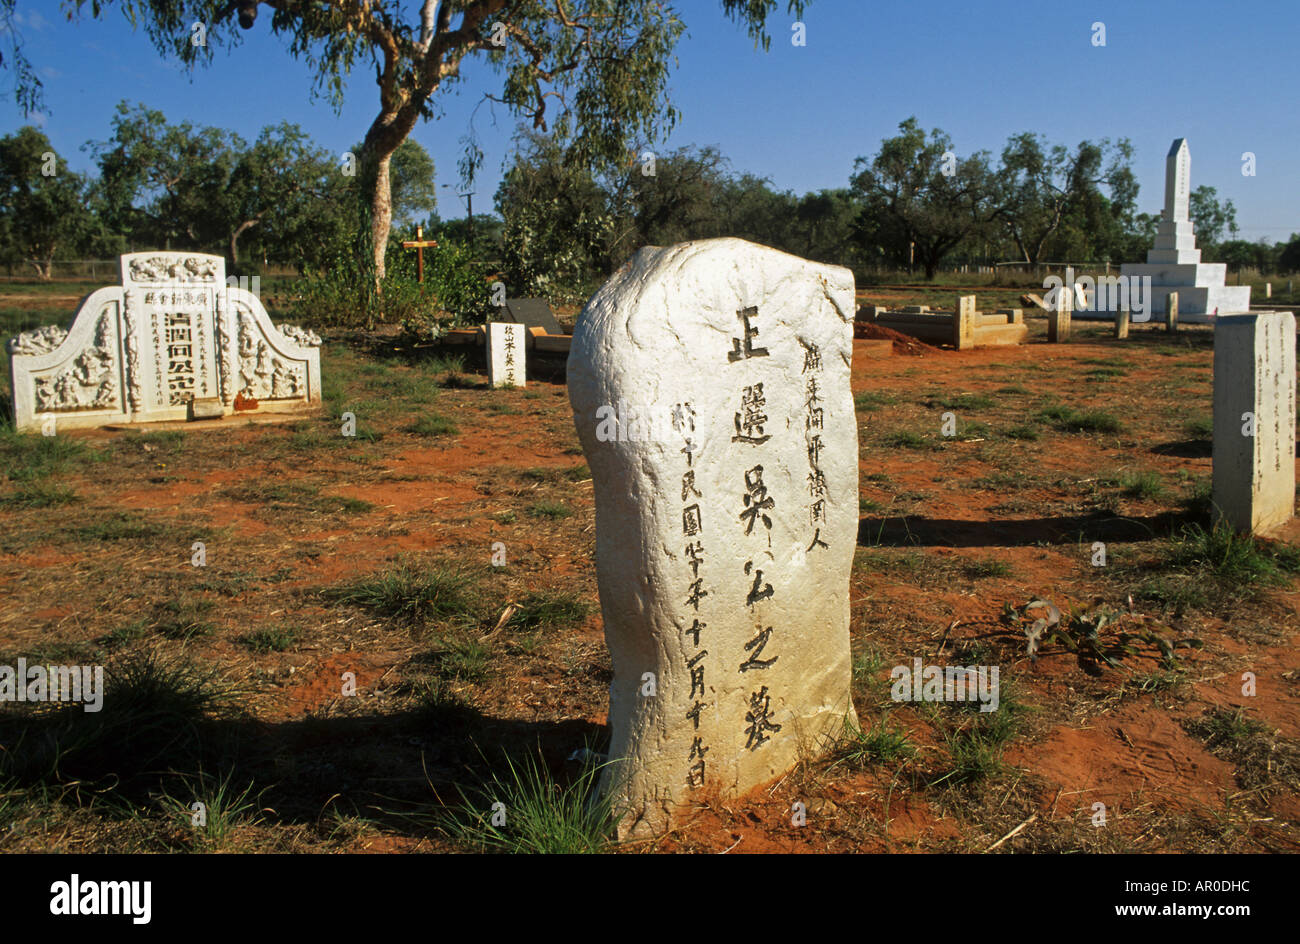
1102,374
295,496
1211,568
125,634
1229,556
1202,427
525,810
463,659
1014,390
416,388
149,724
30,457
1222,728
224,808
1265,762
870,400
1155,683
40,495
1145,485
884,743
414,592
279,638
962,401
1070,420
975,758
867,666
904,440
123,526
433,424
551,609
552,510
981,569
505,517
183,618
212,808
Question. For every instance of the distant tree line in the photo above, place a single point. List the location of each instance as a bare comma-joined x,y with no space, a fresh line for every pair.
560,228
281,199
913,205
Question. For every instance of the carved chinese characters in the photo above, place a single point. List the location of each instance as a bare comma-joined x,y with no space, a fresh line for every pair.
724,543
1254,420
505,354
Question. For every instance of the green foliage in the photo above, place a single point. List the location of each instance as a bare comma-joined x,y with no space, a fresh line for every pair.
1144,485
279,638
1233,557
1212,218
549,609
184,618
224,807
149,724
458,288
433,424
1050,201
1070,420
885,743
42,202
540,815
914,199
413,592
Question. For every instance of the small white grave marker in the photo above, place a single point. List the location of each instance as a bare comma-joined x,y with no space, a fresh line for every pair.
506,354
1254,420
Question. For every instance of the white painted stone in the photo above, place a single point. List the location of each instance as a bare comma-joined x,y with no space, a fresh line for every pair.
1178,182
174,331
1255,384
710,388
505,341
1174,262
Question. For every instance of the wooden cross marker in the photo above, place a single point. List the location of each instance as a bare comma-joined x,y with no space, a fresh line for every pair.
419,244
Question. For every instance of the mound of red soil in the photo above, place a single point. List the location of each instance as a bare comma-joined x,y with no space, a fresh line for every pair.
903,344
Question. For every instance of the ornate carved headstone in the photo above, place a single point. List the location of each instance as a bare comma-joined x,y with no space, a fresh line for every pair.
710,388
172,335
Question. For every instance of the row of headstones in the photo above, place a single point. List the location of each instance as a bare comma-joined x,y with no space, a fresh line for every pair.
724,543
1059,318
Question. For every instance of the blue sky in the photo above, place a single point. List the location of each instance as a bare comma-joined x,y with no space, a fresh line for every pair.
1222,75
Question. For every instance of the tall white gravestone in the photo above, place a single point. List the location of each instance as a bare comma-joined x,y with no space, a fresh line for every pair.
1173,263
174,334
505,343
1254,420
710,388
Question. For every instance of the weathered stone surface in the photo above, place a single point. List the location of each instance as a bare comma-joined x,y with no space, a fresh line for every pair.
964,321
1059,318
1254,420
710,388
173,332
506,345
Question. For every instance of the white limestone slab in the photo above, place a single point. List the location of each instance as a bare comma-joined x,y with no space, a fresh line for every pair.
1254,420
710,389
